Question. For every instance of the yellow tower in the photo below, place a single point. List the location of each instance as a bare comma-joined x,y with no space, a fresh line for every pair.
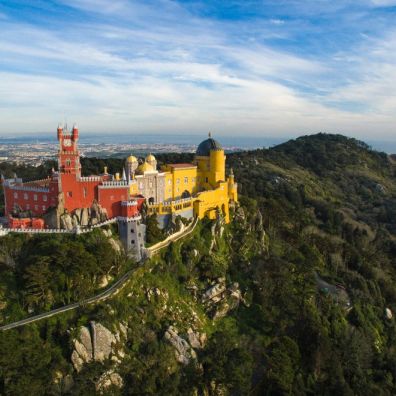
210,160
232,187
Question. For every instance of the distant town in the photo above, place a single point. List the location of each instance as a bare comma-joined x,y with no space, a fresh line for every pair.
34,154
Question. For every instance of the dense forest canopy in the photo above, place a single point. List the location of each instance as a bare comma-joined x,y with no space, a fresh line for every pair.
312,250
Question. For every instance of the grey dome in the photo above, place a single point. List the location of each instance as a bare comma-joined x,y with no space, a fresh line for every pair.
207,145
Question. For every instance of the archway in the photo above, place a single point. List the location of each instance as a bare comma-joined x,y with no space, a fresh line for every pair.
186,194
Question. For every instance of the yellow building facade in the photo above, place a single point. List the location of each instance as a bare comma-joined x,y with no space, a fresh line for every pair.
200,188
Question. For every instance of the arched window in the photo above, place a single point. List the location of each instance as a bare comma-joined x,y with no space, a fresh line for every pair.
186,194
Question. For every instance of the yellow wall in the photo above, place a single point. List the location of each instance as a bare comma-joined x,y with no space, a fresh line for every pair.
206,183
208,201
181,179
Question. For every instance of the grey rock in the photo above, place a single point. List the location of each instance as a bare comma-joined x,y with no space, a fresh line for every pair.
107,379
184,352
103,340
214,291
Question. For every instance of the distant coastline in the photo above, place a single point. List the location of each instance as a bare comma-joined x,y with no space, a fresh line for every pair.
231,143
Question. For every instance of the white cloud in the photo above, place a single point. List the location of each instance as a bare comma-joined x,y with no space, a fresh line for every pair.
161,69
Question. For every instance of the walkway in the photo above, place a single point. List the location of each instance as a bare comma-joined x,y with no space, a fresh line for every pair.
112,290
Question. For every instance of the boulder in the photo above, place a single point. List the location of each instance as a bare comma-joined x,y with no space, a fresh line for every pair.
184,352
84,217
82,352
103,340
103,281
214,291
77,214
95,343
221,310
107,379
66,222
196,340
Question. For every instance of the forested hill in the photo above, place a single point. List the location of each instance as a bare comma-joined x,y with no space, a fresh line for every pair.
296,296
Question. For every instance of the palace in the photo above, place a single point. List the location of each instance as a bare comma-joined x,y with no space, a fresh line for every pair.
67,199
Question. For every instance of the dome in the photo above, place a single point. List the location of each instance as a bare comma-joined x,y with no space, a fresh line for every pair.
207,145
150,157
131,159
145,167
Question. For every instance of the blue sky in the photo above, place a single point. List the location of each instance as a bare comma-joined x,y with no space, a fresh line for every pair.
261,68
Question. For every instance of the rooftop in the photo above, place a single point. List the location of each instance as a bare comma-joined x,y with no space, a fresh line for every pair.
182,165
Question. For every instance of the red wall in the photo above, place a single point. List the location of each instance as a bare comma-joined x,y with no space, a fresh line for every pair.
37,207
74,193
110,198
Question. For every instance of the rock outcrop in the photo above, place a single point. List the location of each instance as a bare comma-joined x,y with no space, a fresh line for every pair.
83,217
107,379
219,299
96,343
183,350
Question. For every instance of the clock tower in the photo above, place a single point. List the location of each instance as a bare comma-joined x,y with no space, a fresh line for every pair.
68,157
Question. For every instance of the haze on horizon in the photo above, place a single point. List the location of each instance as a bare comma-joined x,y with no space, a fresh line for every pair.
238,67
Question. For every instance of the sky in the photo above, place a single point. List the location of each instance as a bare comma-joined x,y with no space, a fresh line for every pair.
277,68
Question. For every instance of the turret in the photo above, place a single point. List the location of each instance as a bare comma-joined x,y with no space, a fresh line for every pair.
232,187
60,131
150,159
75,132
131,164
210,160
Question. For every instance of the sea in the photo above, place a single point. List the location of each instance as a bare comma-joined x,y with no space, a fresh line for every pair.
229,142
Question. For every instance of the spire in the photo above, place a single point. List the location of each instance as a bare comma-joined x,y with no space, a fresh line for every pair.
210,134
123,174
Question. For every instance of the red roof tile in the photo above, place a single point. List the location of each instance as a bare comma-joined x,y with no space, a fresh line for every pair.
184,165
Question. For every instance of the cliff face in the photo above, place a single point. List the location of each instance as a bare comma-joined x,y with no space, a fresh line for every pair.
295,296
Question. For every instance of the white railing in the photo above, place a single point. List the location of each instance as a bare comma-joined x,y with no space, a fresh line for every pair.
170,203
90,178
114,183
75,230
28,188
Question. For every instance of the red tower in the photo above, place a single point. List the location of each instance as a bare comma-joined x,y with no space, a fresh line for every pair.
69,157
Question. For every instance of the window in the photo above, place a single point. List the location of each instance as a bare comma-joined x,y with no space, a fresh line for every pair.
69,194
169,181
85,192
45,198
206,179
133,242
25,196
141,186
132,231
35,197
68,162
44,208
111,197
177,181
27,206
15,195
186,180
35,207
151,184
193,179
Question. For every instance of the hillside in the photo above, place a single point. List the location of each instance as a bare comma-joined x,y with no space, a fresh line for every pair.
296,296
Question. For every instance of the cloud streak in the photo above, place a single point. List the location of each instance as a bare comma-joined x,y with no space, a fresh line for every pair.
175,67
